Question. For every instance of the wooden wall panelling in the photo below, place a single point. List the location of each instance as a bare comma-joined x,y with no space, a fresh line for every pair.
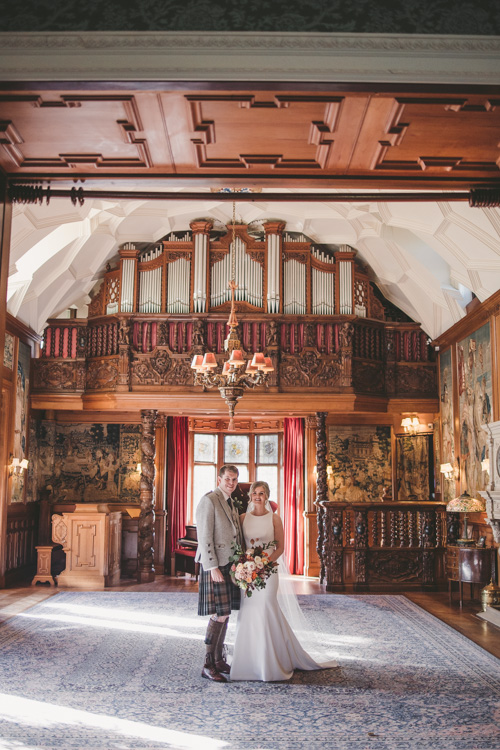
21,538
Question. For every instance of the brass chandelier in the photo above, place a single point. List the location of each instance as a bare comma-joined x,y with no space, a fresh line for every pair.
233,379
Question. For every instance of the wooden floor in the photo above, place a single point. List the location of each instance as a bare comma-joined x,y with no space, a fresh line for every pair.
465,620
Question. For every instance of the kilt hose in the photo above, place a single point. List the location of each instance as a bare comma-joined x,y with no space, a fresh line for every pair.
217,598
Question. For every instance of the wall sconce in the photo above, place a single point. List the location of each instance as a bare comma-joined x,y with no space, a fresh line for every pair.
410,425
449,471
329,470
17,466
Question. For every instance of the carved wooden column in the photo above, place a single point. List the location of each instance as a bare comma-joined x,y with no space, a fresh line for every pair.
124,355
361,545
321,486
346,335
428,537
146,532
160,497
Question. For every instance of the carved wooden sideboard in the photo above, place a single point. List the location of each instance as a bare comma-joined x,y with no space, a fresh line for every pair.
384,545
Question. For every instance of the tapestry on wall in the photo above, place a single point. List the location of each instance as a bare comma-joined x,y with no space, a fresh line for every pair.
93,462
475,396
414,467
446,398
19,449
360,457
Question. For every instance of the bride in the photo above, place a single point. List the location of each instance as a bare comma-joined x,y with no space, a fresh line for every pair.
265,646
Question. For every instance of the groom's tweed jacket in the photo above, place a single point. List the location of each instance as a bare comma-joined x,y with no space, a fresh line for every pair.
218,528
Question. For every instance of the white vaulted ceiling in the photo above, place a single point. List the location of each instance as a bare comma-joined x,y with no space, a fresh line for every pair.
426,258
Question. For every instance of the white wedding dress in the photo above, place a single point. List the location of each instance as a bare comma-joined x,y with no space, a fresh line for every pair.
265,647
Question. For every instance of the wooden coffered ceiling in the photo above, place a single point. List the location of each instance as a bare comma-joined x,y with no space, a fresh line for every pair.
418,138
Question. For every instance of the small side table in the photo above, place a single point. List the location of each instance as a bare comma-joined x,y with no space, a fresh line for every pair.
468,565
44,564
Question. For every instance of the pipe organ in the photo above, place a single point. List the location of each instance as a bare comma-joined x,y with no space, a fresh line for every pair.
277,273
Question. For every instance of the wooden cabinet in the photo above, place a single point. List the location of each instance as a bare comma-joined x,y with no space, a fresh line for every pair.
91,538
468,565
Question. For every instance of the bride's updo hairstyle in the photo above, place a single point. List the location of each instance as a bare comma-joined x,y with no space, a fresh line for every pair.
266,489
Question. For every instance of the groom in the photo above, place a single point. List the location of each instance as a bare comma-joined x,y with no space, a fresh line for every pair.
218,526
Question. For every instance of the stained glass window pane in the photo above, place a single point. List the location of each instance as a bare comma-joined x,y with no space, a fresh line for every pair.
204,480
205,448
269,474
243,472
236,449
267,449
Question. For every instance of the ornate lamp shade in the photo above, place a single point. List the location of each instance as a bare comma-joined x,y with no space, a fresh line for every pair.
464,503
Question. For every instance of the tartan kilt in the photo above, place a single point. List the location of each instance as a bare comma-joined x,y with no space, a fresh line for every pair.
217,598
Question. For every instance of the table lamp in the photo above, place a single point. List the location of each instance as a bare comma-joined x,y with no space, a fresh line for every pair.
464,503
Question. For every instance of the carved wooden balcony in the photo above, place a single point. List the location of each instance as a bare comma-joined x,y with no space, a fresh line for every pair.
153,352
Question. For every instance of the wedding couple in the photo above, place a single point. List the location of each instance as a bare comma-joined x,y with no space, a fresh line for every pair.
265,648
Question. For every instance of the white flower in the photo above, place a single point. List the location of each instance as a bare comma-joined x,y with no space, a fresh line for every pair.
257,559
259,565
249,552
250,565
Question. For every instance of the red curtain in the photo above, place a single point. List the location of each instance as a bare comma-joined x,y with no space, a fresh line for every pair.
177,478
293,437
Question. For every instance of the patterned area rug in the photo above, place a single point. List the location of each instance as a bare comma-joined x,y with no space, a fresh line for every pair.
121,671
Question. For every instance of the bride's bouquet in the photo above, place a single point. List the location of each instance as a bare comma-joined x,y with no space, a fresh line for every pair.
251,568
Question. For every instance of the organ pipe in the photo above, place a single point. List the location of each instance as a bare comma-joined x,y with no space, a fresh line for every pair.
248,275
178,286
323,286
150,284
294,297
273,268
